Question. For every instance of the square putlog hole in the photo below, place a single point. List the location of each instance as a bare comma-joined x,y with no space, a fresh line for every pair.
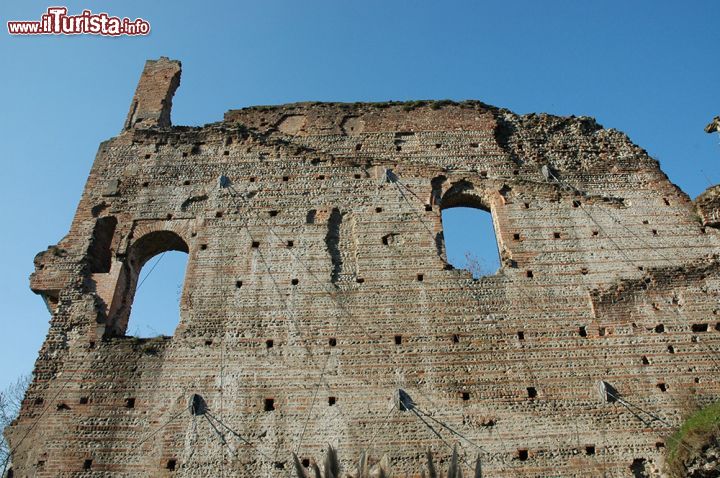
269,404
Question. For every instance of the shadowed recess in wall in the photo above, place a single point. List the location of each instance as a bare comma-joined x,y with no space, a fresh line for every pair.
332,240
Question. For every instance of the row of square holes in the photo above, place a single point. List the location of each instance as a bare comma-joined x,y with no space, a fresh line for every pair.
522,455
660,328
253,179
358,146
582,331
428,207
332,341
129,403
171,464
556,235
697,328
310,215
516,236
196,149
359,280
255,245
532,393
219,214
269,403
321,177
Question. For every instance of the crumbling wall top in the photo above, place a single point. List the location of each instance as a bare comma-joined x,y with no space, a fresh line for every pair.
152,102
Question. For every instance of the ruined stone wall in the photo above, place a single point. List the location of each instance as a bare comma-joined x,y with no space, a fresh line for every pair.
316,287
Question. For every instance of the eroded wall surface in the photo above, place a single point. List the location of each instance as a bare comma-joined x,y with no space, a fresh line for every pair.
317,286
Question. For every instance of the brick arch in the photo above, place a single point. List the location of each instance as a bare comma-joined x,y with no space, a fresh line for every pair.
152,244
140,229
465,193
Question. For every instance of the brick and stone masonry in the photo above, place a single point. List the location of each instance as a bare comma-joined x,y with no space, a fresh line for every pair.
317,286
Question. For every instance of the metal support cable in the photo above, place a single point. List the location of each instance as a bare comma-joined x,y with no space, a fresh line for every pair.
150,271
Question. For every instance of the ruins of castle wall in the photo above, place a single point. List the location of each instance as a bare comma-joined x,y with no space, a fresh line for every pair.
317,286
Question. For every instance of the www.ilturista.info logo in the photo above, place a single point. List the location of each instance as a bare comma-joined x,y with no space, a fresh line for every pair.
57,22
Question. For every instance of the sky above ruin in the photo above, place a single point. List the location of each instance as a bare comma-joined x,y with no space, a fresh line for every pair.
648,68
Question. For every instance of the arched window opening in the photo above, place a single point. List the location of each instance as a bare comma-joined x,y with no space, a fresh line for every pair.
470,241
156,308
151,287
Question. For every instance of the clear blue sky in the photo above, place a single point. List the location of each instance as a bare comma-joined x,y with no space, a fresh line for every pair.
649,68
